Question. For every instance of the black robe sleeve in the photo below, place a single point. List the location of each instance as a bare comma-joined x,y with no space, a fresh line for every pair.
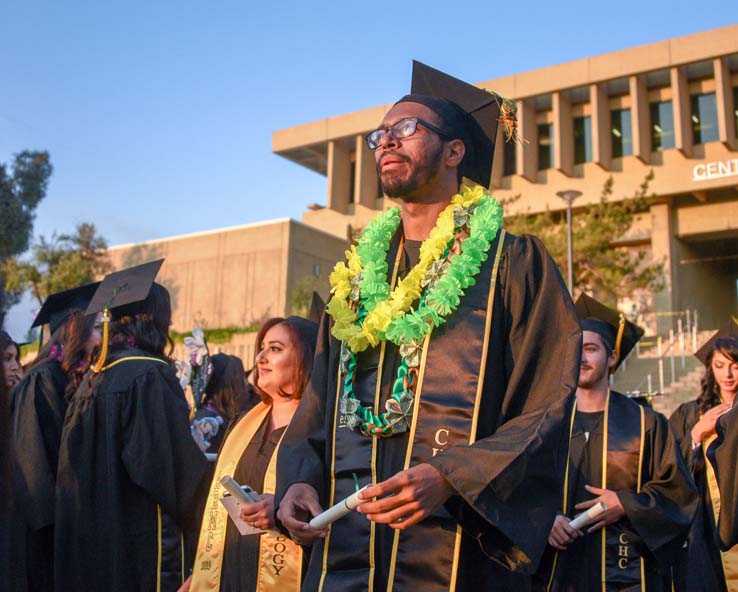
723,454
158,451
38,416
511,479
663,510
681,423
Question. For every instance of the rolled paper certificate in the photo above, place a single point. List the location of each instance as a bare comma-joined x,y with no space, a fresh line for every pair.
244,494
338,511
586,517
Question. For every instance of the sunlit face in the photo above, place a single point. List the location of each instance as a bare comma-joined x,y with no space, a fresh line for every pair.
276,362
406,166
11,368
596,362
725,372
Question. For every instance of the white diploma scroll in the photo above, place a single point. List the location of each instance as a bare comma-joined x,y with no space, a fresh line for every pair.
338,511
244,494
586,517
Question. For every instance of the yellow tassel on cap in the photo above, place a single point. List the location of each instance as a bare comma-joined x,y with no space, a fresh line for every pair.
619,339
97,368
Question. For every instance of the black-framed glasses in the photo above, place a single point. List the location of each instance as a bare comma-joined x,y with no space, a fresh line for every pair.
402,129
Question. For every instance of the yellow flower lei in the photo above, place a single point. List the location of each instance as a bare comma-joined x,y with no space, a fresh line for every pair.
370,330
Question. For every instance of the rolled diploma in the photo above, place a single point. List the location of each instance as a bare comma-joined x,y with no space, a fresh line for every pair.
586,517
232,487
338,511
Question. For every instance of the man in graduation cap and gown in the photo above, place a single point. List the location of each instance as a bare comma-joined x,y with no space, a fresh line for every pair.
131,480
623,455
39,403
445,369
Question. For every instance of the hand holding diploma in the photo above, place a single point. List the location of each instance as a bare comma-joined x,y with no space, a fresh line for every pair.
300,501
342,508
411,496
613,508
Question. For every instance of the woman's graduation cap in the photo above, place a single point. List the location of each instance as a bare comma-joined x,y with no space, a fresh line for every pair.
122,291
468,113
57,307
616,331
729,330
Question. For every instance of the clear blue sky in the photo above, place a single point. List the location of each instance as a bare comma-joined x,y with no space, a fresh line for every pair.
158,115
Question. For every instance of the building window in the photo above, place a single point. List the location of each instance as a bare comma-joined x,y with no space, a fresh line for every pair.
582,139
352,183
704,118
622,134
662,125
735,109
545,146
508,156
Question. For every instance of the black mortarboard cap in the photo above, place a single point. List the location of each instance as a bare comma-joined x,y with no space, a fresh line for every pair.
607,323
317,306
58,306
729,330
125,288
468,113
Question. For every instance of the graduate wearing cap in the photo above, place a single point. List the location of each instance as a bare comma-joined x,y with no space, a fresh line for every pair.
130,481
446,365
695,425
39,403
621,454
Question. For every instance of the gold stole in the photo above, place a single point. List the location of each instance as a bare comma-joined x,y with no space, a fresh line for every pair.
603,485
280,560
729,558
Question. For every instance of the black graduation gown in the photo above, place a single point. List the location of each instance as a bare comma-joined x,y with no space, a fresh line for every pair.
700,564
656,520
38,414
507,484
130,480
722,454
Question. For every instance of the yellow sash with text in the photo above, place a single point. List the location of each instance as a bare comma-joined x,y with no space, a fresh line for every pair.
280,560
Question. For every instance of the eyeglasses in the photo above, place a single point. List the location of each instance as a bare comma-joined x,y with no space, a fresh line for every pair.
402,129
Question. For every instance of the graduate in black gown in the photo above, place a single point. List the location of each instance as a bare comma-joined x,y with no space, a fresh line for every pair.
622,455
464,424
694,424
131,480
10,359
722,455
226,560
39,403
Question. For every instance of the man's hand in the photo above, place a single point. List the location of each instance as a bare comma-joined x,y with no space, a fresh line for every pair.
562,535
300,501
608,497
259,515
185,587
412,495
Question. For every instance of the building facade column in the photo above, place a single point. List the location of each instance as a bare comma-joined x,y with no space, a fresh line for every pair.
525,152
682,109
601,140
640,117
339,177
563,132
365,181
663,249
724,103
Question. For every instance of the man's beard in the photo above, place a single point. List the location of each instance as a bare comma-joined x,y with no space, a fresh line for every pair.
420,174
593,379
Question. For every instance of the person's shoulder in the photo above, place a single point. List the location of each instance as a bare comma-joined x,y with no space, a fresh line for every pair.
125,370
688,409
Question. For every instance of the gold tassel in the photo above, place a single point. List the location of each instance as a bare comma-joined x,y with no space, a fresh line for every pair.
97,368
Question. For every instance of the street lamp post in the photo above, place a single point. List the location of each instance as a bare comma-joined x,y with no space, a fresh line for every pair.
569,196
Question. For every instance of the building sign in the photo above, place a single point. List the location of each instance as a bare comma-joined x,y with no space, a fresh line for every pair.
715,170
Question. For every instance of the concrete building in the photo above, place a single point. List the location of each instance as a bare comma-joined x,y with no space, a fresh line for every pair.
669,107
240,276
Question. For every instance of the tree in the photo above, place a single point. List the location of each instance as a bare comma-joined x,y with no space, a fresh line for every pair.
63,262
600,266
21,190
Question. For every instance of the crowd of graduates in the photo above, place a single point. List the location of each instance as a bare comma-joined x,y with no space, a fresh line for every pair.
116,472
451,376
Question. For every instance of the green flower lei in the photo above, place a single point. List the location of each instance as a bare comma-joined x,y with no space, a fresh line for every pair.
443,287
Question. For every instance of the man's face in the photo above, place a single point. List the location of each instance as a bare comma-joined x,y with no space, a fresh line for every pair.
406,166
596,362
